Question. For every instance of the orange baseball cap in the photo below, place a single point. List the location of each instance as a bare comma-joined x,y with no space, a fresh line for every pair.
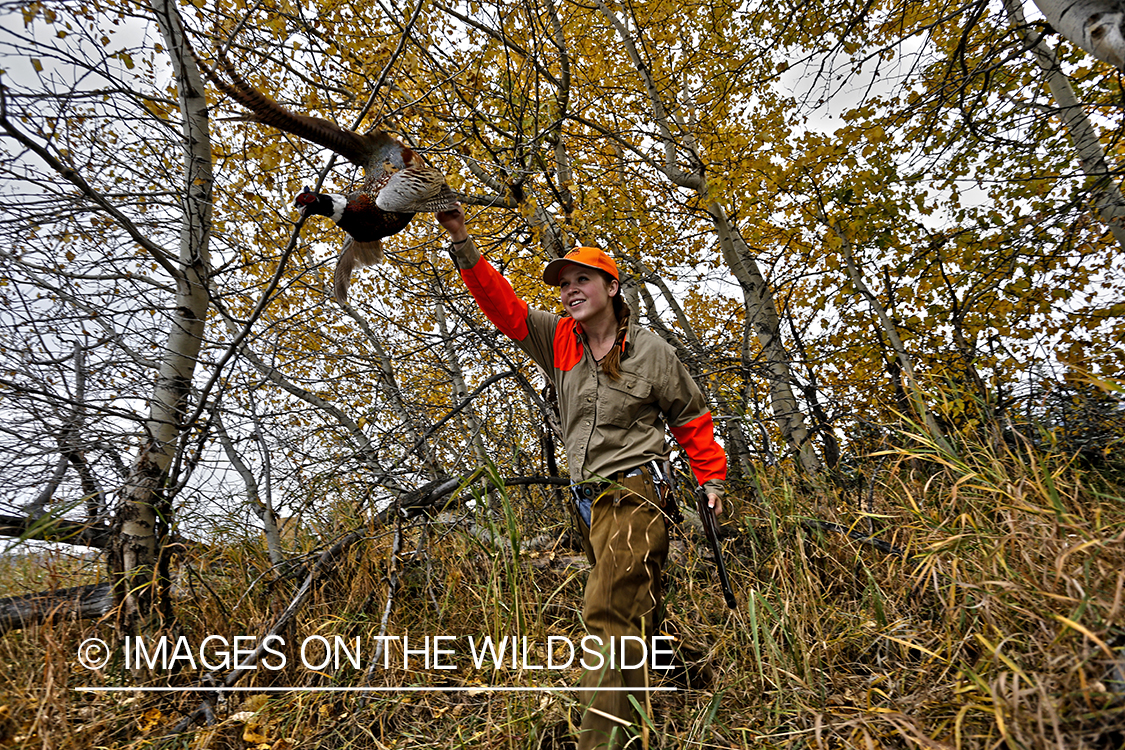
591,257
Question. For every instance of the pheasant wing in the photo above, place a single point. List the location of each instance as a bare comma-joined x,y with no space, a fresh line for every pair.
414,190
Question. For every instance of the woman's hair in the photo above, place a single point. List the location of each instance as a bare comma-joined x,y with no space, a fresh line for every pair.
611,364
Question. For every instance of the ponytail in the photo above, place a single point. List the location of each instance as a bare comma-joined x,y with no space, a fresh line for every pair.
611,364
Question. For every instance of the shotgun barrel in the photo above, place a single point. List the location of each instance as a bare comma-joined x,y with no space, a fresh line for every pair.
711,531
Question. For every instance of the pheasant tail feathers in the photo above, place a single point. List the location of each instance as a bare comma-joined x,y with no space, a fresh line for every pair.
355,255
352,146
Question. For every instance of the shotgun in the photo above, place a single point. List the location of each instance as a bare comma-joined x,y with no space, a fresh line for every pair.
711,531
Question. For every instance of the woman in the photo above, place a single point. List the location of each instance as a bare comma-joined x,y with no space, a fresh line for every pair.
619,386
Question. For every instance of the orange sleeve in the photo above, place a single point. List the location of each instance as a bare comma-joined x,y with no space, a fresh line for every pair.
496,299
697,438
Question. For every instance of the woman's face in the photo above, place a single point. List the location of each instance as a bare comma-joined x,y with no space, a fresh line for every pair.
585,293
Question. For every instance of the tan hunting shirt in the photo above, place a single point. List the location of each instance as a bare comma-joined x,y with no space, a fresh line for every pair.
608,426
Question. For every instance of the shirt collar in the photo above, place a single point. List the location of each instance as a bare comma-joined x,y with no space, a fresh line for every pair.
626,345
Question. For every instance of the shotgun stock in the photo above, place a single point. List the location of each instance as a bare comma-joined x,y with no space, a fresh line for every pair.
711,531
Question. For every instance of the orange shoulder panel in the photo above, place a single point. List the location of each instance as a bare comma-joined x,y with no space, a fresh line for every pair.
568,349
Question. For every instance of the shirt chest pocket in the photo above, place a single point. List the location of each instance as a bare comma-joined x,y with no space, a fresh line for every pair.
623,400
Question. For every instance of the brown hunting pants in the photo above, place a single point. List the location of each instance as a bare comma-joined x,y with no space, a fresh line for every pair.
627,543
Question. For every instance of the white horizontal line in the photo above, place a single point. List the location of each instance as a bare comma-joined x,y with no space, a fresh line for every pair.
382,689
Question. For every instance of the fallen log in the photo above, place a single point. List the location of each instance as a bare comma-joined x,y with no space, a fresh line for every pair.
816,524
78,603
56,530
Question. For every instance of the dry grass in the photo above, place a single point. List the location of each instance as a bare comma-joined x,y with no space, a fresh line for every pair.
1000,627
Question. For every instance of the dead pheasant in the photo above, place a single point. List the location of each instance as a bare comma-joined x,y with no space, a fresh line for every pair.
396,185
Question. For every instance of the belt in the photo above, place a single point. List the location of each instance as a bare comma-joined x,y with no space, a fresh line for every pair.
591,490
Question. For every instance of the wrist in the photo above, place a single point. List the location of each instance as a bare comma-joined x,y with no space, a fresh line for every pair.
463,251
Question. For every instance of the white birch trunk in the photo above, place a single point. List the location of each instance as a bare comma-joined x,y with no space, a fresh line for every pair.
136,543
762,318
1097,26
1107,194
